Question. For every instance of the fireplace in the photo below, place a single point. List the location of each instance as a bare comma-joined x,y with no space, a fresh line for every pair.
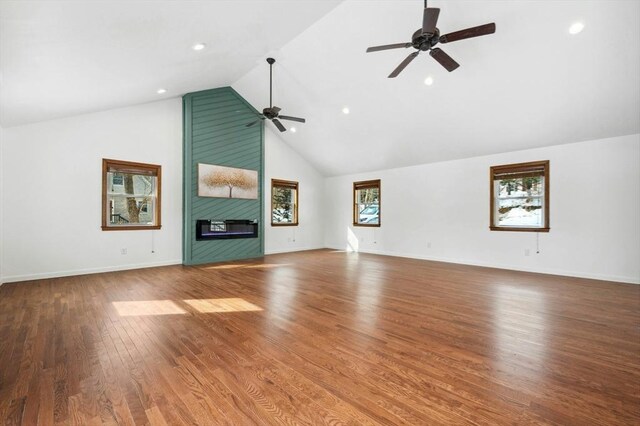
207,229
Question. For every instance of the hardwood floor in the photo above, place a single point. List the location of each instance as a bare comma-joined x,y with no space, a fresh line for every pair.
320,337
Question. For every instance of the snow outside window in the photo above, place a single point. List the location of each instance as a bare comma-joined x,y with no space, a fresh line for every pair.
520,197
284,203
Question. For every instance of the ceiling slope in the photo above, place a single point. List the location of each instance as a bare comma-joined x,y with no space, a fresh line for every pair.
531,84
61,58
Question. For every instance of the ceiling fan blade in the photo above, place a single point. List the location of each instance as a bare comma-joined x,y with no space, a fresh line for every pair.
286,117
388,46
429,20
444,59
279,125
403,65
469,33
275,109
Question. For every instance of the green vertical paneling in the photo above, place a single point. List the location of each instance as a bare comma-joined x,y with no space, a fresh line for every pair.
215,132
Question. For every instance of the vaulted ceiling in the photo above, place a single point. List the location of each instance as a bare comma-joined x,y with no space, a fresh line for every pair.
61,58
530,84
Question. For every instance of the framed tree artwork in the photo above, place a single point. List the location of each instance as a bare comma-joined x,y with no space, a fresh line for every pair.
227,182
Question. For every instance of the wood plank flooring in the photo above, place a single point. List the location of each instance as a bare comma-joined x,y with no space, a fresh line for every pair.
320,337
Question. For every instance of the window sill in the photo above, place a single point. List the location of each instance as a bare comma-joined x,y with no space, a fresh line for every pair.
130,228
284,224
504,228
370,225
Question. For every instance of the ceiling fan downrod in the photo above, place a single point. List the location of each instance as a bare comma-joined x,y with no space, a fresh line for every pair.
271,61
272,113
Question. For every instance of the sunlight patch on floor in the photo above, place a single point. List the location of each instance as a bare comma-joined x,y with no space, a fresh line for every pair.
234,304
147,307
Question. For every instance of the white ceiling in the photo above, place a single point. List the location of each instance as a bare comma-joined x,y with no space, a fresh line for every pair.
61,58
529,85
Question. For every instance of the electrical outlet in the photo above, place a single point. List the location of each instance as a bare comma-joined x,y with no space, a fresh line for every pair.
527,252
428,244
123,251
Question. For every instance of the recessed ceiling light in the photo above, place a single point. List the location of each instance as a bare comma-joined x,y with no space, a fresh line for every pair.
576,28
161,91
198,46
293,129
345,110
428,81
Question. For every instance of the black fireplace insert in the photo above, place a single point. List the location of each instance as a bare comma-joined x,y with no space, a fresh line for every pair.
207,229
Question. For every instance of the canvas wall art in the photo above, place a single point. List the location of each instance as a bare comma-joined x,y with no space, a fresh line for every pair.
227,182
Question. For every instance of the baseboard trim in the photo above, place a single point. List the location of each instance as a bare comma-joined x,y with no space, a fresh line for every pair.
602,277
550,271
58,274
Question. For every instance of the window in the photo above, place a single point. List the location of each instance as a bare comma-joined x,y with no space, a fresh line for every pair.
284,203
366,203
520,197
130,195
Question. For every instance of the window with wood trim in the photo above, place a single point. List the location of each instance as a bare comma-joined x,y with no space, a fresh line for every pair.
284,203
366,203
520,197
130,195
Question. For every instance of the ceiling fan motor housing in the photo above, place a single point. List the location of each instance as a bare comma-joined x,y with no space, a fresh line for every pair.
270,113
424,42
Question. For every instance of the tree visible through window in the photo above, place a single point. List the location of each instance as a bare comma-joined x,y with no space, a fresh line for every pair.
520,197
284,202
366,203
130,195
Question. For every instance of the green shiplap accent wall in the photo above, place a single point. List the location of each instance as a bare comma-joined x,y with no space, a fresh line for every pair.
215,132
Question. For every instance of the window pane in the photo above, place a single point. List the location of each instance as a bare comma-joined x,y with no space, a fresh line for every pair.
129,183
368,201
125,210
521,187
519,202
131,199
526,212
283,200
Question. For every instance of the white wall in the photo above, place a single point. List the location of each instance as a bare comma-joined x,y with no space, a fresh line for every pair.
440,211
50,189
51,192
50,175
1,205
281,162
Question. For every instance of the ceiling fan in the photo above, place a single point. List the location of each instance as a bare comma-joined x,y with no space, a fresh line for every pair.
427,37
273,112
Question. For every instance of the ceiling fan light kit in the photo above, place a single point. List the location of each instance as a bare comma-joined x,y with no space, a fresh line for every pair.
273,112
426,38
